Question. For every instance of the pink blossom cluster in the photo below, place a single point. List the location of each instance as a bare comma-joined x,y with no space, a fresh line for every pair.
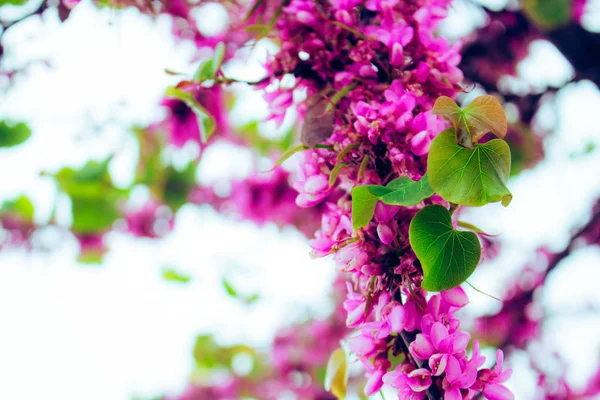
265,197
388,58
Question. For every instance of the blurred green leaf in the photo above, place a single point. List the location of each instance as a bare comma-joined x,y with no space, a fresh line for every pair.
233,292
265,146
13,134
91,257
260,30
288,153
91,181
13,2
208,68
178,185
93,215
336,375
229,289
21,206
175,276
548,14
206,122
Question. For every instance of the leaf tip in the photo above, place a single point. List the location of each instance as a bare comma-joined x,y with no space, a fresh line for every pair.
507,199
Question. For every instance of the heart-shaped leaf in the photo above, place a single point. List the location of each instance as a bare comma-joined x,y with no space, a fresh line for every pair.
471,177
484,114
13,134
336,375
402,191
446,107
448,257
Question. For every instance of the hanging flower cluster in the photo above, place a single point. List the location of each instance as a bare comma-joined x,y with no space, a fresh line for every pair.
379,179
372,73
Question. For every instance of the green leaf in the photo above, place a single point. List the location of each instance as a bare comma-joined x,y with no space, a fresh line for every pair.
13,134
91,181
448,257
336,375
206,122
402,191
178,185
21,206
548,14
363,205
260,30
470,177
91,257
473,228
335,172
484,114
229,288
346,151
233,292
406,192
288,153
208,68
93,215
175,276
13,2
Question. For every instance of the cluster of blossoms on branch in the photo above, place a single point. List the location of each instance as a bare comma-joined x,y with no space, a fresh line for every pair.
387,59
370,72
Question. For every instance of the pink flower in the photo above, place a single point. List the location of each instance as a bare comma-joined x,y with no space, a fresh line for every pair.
492,380
279,101
411,385
355,306
150,221
458,376
455,297
312,185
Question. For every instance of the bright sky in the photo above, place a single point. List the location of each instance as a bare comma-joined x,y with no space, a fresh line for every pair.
69,331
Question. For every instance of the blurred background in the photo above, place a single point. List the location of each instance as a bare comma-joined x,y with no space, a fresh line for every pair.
109,304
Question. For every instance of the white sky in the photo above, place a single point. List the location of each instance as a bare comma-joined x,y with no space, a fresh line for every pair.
70,332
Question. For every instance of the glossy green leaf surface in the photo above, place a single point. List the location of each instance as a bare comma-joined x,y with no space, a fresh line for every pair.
402,191
448,257
470,177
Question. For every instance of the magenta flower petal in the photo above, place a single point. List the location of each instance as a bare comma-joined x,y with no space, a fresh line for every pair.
374,382
437,363
494,391
419,379
455,297
422,348
453,394
439,333
397,318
